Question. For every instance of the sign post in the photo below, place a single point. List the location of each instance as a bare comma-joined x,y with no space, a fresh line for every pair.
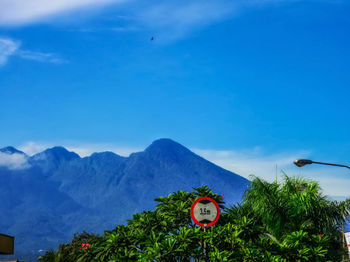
205,212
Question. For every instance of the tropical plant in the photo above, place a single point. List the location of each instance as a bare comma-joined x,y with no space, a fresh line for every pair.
70,252
50,256
297,204
291,221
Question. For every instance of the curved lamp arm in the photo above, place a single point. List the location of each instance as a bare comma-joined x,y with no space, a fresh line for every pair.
303,162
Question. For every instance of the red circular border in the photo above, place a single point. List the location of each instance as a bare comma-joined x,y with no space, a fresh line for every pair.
217,208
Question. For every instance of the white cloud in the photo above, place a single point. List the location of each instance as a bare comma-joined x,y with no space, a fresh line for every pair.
27,11
10,47
32,148
174,19
169,20
7,48
334,184
82,149
178,16
334,181
88,149
252,162
41,57
124,29
13,161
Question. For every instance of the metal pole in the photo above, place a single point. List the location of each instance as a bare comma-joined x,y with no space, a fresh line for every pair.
276,173
204,244
343,236
330,164
303,162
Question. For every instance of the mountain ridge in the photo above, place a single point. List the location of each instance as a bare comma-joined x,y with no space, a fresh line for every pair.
62,193
11,150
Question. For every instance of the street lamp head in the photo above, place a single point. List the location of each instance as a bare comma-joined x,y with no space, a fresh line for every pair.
302,162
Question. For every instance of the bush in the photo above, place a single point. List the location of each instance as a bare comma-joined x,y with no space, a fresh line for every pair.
291,221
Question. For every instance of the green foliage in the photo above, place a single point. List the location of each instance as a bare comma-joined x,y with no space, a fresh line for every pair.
50,256
295,204
292,221
70,252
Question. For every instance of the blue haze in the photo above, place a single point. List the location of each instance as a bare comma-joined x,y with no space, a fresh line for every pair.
61,194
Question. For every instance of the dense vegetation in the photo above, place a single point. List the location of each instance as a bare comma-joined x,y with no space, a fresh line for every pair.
291,221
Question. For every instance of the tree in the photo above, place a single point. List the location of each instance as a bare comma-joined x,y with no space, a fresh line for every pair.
50,256
296,205
344,207
292,221
69,252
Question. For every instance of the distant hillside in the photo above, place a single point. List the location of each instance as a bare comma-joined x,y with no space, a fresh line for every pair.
57,193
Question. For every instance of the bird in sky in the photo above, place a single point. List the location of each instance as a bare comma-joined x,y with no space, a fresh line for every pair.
152,38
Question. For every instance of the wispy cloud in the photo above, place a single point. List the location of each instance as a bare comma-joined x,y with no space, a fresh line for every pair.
10,47
13,161
88,149
82,149
41,57
334,181
177,19
170,19
124,28
178,16
174,19
32,148
16,12
253,161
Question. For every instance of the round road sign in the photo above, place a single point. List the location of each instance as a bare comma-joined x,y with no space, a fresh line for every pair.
205,211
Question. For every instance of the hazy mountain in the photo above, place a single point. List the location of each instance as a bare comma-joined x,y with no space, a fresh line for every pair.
59,193
11,150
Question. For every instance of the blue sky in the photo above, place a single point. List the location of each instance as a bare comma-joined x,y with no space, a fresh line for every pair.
246,84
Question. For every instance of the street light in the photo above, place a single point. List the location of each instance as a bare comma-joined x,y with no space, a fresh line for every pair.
303,162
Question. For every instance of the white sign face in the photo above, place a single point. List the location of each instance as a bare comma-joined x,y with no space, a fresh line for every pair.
347,238
205,211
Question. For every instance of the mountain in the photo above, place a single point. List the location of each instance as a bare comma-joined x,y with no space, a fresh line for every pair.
52,158
59,193
11,150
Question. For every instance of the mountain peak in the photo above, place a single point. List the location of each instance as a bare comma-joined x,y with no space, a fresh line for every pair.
11,150
57,153
58,149
168,150
165,144
106,154
61,152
